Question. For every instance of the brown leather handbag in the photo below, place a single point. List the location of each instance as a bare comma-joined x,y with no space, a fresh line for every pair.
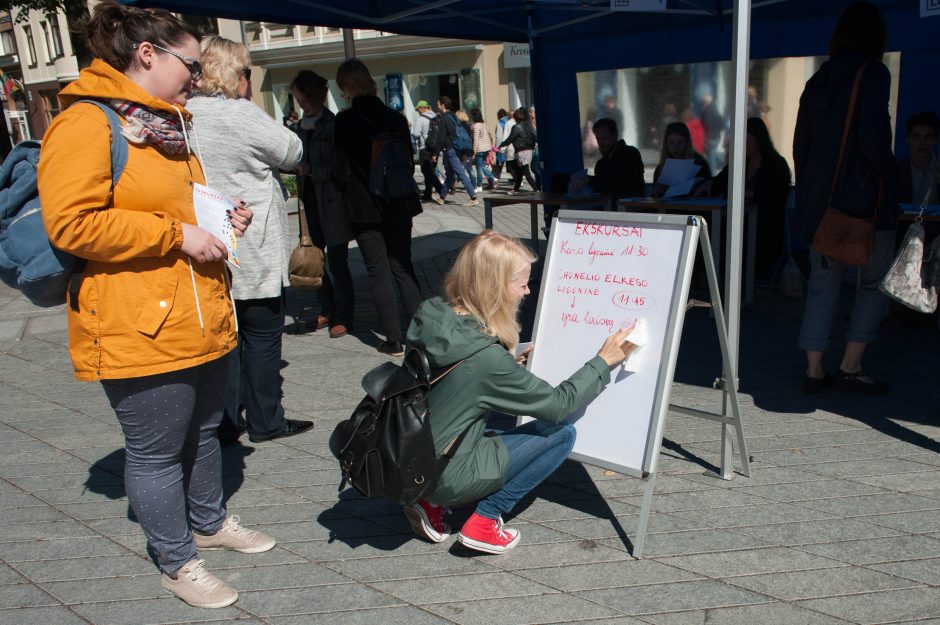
843,238
305,267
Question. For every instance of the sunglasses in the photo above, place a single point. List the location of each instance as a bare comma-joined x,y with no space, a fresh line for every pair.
194,66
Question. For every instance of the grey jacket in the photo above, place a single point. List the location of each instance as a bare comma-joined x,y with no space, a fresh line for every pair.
241,151
317,190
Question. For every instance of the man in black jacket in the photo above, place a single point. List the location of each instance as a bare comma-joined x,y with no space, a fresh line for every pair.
619,173
453,167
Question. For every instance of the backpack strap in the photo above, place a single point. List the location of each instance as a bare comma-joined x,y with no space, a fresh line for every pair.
119,143
119,150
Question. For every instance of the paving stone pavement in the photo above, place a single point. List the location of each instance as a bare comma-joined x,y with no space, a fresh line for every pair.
839,521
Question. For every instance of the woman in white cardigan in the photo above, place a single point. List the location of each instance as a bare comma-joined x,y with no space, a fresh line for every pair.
242,149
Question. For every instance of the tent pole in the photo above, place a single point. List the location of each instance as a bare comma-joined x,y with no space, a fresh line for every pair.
349,44
740,59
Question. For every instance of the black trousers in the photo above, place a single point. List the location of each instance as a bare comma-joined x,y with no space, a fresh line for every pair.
255,366
518,171
386,251
431,183
336,295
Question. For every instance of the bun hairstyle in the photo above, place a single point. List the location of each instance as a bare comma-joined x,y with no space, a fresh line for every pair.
114,29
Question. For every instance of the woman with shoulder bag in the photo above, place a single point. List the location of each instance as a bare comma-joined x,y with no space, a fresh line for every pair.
152,318
323,204
861,184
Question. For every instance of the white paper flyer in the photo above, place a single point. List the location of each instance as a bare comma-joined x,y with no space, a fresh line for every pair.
212,215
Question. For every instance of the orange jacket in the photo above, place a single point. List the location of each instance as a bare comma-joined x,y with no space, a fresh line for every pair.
137,311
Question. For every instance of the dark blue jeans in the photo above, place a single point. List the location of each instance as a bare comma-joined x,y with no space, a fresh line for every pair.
255,368
535,449
454,168
173,466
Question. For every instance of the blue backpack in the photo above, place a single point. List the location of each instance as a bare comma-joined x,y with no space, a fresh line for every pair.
28,261
462,142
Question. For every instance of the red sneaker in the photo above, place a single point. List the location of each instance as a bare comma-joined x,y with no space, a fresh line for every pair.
487,535
427,520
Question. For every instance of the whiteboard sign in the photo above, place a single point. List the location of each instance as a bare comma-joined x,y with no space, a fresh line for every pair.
929,8
603,272
641,5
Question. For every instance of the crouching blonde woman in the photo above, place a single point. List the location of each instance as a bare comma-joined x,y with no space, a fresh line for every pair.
476,321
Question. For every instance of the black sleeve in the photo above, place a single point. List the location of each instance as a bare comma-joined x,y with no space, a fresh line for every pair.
634,181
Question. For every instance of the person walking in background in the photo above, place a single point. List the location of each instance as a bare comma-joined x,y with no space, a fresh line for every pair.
482,146
714,126
327,224
427,154
522,139
382,226
476,322
151,317
866,186
453,167
503,126
465,152
243,149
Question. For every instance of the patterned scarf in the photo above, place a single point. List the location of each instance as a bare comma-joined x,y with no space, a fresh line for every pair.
162,129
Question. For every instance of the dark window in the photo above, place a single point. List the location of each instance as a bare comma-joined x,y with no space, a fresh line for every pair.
56,36
30,44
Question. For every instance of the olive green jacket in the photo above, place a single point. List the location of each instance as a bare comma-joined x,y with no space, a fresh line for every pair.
489,379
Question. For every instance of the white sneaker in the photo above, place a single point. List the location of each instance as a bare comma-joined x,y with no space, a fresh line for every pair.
235,537
479,190
200,588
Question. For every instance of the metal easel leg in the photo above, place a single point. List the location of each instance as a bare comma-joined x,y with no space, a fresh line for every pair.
728,383
644,516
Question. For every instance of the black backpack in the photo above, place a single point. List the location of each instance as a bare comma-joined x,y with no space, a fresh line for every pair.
386,449
392,168
436,134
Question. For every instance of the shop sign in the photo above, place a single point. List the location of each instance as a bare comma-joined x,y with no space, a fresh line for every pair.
515,55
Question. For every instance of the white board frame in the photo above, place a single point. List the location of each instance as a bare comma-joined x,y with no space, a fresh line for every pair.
675,319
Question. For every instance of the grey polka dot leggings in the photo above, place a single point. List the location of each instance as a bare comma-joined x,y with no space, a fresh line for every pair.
173,469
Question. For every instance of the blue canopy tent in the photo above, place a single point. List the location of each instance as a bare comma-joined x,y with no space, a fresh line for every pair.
571,36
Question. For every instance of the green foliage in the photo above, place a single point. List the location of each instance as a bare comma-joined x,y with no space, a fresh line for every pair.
290,183
74,9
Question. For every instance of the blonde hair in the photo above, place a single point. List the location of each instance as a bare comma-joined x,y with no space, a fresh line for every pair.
354,78
480,282
223,61
462,116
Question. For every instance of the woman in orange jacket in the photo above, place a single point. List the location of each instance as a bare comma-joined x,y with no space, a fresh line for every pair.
152,318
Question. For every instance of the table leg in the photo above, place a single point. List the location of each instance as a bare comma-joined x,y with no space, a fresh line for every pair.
487,214
717,250
751,217
534,223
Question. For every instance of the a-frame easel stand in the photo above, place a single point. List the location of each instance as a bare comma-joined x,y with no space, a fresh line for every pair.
727,384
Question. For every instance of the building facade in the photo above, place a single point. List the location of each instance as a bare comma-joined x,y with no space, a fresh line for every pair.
407,69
